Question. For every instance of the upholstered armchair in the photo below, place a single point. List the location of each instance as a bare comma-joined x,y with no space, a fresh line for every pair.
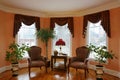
81,59
35,59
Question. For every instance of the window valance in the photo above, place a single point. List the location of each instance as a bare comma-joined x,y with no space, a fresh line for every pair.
28,20
62,21
104,16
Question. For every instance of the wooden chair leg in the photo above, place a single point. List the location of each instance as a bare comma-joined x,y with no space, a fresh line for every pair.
29,71
40,68
68,69
85,73
87,70
46,69
76,69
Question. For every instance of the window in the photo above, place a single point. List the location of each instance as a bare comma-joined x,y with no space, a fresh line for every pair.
96,36
26,35
62,32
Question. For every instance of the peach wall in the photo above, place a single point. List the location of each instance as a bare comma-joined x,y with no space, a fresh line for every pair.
77,40
6,29
114,41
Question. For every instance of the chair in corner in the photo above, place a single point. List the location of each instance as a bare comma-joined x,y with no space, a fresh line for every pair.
81,59
35,59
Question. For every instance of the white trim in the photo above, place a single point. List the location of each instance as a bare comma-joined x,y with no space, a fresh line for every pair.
5,68
108,71
23,65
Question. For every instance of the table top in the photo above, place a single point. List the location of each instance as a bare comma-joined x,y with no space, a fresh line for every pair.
58,56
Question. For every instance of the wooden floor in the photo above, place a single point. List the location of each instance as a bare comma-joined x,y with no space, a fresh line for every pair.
56,74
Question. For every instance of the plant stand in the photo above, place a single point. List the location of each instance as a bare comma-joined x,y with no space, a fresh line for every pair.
99,72
15,68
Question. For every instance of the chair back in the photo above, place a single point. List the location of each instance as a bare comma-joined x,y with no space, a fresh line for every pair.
82,53
34,53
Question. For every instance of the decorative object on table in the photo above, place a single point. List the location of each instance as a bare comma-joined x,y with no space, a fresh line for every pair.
60,43
102,55
45,35
14,54
55,52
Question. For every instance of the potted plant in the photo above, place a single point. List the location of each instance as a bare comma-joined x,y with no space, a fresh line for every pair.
14,54
102,55
45,35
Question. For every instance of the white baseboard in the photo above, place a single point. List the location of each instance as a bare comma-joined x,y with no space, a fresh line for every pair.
108,71
5,68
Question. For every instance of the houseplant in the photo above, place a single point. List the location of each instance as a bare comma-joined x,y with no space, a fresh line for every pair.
102,55
14,54
45,35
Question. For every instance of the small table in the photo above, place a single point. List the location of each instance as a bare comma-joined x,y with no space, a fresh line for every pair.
58,57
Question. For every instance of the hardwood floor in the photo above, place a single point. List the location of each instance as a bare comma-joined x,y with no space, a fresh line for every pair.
56,74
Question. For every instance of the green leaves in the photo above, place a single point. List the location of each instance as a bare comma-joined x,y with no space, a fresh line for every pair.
16,52
102,54
45,34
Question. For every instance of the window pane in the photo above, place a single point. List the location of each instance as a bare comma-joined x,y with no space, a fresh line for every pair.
96,35
62,32
26,35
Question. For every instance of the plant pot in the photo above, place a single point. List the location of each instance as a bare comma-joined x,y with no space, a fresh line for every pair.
99,72
15,68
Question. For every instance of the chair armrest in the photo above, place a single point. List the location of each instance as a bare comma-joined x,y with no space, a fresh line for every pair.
86,60
43,58
29,60
72,59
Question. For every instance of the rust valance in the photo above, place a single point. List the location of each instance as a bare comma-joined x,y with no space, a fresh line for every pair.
28,20
104,16
62,21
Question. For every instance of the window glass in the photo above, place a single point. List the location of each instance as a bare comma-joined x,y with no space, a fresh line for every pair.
62,32
26,35
96,36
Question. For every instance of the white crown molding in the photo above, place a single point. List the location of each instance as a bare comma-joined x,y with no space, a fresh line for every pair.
108,6
21,11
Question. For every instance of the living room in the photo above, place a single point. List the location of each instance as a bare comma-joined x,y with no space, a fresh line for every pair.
113,42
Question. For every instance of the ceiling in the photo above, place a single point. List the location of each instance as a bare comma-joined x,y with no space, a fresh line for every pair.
57,7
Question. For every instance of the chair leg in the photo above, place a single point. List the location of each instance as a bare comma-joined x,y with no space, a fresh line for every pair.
46,69
29,71
68,69
76,69
40,68
87,70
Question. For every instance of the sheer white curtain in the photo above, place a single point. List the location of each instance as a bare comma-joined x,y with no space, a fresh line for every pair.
96,36
26,35
62,32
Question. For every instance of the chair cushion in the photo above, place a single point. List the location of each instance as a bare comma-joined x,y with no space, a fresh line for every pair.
78,65
37,63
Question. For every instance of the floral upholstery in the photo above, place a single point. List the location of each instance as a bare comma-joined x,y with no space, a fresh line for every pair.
35,59
81,59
